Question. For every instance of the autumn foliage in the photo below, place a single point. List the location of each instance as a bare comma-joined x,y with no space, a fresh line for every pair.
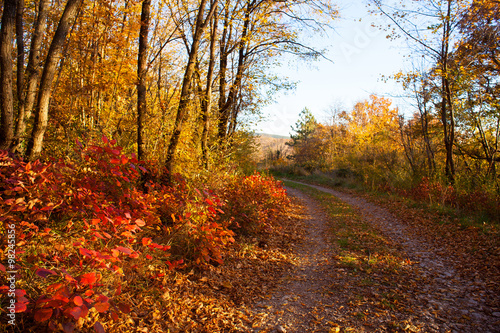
85,226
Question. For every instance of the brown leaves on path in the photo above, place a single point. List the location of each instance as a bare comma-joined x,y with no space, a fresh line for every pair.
379,277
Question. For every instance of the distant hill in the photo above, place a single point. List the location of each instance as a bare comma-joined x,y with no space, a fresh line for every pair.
271,146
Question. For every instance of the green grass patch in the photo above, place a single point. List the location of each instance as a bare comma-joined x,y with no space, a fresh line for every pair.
361,246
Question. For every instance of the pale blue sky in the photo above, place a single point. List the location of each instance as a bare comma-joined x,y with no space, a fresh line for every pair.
361,54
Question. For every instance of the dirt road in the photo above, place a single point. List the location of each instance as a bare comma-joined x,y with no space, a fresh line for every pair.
323,294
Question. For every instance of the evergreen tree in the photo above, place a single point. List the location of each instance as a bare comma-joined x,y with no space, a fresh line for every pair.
304,127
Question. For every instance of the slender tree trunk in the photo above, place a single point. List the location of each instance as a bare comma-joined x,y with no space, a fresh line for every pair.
200,26
141,74
33,72
207,105
225,109
35,143
447,113
224,54
6,74
422,99
20,52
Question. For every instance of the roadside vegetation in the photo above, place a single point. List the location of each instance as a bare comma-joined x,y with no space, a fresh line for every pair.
102,240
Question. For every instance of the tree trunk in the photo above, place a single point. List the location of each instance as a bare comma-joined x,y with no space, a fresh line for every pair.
20,52
6,93
141,74
35,143
422,101
200,26
33,72
225,109
207,105
447,114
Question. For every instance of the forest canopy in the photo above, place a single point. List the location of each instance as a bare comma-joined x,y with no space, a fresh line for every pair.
160,77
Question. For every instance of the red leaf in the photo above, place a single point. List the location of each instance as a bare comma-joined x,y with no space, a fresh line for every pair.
54,287
98,235
148,257
124,159
124,308
85,252
78,300
20,292
105,139
85,311
210,202
75,312
140,223
118,290
124,249
2,268
98,327
146,241
88,279
114,316
20,307
103,299
101,306
42,272
43,314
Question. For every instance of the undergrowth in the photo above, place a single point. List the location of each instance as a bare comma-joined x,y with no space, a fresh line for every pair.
83,238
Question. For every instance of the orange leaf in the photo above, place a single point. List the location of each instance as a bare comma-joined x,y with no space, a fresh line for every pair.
101,306
78,300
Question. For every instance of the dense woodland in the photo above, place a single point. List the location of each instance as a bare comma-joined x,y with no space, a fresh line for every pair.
169,80
124,156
